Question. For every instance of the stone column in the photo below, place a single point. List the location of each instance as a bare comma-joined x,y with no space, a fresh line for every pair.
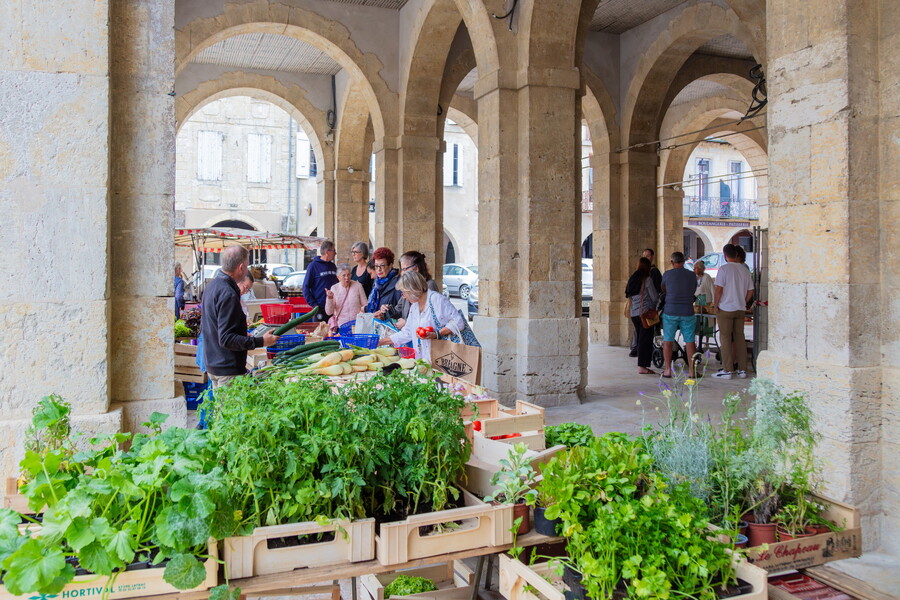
421,208
529,240
325,212
608,324
54,177
671,225
387,193
351,211
825,311
142,185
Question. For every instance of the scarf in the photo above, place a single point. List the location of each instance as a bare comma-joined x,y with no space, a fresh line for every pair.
375,298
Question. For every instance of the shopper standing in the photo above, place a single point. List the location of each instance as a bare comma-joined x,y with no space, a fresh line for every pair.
734,289
321,274
643,294
362,270
385,296
679,285
224,325
413,262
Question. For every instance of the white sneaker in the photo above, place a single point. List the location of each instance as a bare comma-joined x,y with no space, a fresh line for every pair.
723,374
742,374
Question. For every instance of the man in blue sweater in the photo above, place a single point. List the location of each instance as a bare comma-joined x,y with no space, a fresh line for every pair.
223,322
321,274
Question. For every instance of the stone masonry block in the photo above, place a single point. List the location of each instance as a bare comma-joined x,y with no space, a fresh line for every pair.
142,363
143,133
12,448
52,348
67,36
142,256
549,299
66,258
550,375
789,157
830,149
137,412
142,38
58,124
820,226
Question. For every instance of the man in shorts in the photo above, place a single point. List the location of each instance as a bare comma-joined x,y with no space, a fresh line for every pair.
679,285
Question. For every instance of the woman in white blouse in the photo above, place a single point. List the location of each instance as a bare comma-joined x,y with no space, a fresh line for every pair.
427,309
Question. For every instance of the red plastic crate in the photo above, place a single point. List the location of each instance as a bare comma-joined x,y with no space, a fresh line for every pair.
300,304
407,352
276,314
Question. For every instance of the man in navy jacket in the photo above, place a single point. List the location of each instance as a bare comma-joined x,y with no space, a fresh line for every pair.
223,322
321,274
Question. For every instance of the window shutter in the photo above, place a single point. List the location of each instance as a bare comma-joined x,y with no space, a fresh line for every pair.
457,165
259,158
209,155
303,151
448,165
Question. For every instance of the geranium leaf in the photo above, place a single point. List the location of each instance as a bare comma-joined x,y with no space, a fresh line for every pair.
79,534
9,523
184,572
121,544
96,559
33,568
223,592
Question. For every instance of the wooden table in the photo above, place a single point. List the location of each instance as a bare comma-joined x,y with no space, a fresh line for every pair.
300,577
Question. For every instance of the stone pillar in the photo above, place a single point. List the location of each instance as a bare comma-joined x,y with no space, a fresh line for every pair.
387,193
608,324
421,208
325,212
142,186
671,225
826,311
351,211
529,239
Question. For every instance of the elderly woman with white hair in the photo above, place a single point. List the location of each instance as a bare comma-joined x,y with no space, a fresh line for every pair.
427,309
345,299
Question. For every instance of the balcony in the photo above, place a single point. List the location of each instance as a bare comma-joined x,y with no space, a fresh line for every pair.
719,207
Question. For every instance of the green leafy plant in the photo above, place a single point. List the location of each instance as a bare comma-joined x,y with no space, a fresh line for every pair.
568,434
515,479
404,585
181,329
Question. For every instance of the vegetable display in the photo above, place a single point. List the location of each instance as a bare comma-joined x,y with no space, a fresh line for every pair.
404,585
294,322
328,358
181,329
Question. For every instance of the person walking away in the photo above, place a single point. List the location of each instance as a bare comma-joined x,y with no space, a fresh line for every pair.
346,298
385,296
733,290
362,270
321,274
679,285
224,325
427,308
643,294
179,290
648,253
413,262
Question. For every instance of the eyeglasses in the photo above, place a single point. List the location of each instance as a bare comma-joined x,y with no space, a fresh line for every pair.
380,267
356,252
405,269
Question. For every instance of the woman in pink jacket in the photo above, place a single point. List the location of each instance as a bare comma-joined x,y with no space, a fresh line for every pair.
345,299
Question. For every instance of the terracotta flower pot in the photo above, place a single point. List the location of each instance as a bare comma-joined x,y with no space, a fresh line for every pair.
761,533
785,536
522,510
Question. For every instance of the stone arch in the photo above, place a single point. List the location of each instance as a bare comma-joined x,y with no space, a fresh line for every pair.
291,99
329,36
467,123
690,29
707,241
453,239
228,216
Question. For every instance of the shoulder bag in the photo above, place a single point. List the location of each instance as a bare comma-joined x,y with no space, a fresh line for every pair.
650,317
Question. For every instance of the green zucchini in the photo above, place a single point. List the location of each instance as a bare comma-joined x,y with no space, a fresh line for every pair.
291,324
306,347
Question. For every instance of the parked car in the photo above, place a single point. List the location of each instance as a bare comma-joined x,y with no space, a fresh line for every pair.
587,286
472,302
715,260
277,270
294,281
460,279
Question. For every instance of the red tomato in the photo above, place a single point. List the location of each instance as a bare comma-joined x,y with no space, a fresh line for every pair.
421,332
429,329
477,425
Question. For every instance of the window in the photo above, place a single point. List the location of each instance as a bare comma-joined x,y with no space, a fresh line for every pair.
304,152
259,158
209,155
735,168
313,165
452,164
703,178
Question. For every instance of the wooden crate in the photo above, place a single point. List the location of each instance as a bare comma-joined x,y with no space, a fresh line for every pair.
186,368
515,575
468,387
128,584
446,576
526,419
256,358
249,555
13,499
485,460
483,525
817,549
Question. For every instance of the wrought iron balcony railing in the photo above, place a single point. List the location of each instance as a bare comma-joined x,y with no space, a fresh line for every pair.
721,208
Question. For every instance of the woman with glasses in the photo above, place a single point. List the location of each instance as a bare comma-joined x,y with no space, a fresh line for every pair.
362,271
413,262
384,296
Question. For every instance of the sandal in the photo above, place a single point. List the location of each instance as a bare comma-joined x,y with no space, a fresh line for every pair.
666,376
647,372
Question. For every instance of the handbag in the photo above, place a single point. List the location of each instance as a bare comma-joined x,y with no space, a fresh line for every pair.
464,336
459,354
650,317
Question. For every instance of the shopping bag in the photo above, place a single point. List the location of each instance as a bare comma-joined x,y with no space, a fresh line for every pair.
458,360
365,323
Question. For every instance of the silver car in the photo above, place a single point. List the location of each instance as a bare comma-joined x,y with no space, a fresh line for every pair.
460,279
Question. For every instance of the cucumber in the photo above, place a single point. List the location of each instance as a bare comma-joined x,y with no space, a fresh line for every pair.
291,324
307,347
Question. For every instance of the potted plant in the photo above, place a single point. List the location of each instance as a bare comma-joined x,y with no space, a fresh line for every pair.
514,482
541,501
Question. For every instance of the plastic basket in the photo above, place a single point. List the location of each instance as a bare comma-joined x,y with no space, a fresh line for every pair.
286,342
299,303
362,340
346,328
194,393
277,314
407,352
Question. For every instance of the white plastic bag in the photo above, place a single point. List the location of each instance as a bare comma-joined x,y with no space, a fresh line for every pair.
365,323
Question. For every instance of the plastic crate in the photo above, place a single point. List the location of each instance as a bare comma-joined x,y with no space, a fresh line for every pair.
286,342
362,340
347,328
277,314
194,393
407,352
299,303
